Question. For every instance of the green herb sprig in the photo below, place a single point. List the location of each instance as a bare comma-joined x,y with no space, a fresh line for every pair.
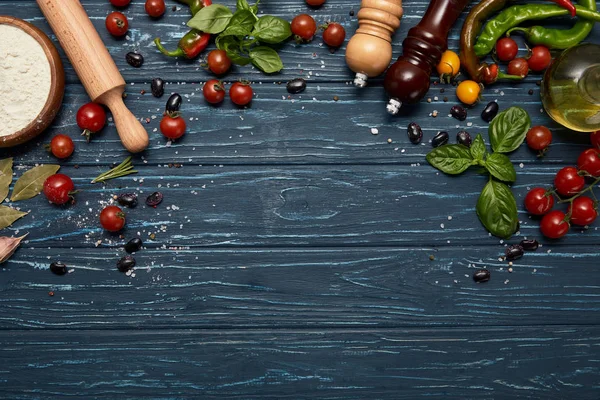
123,169
243,34
496,207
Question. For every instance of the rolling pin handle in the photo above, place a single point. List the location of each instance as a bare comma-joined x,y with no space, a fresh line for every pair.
130,129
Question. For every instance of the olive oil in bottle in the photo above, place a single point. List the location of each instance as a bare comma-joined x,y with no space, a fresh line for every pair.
571,88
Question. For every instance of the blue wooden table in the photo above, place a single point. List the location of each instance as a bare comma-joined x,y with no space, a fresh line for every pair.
296,254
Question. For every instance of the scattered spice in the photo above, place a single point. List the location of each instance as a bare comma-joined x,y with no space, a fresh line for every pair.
335,98
530,91
50,293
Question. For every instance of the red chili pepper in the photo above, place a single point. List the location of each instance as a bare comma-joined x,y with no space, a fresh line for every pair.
566,4
190,46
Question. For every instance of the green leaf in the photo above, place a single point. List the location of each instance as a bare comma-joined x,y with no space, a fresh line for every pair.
266,59
452,159
241,24
5,177
500,167
497,209
508,129
242,5
9,215
254,8
231,45
270,29
478,148
31,183
211,19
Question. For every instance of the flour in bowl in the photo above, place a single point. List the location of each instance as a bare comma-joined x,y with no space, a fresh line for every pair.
25,79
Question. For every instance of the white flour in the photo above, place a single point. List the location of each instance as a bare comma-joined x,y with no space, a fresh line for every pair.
24,79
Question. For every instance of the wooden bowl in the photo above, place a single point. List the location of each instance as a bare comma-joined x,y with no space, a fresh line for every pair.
57,86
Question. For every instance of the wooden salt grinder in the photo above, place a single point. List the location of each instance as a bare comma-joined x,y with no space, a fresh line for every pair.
94,66
369,51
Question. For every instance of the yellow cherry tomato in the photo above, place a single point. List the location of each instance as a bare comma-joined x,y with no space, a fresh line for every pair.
449,64
468,92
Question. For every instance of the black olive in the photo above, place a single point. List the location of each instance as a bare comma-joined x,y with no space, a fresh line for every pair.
440,139
514,252
58,268
154,199
464,138
134,245
158,87
126,263
296,86
134,59
529,244
128,200
481,275
490,111
173,103
415,133
459,113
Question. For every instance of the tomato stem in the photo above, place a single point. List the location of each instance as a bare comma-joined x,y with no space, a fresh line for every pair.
590,189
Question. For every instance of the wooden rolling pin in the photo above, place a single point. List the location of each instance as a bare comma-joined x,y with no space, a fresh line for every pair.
94,66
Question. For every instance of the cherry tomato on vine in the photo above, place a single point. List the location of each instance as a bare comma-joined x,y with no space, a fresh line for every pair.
539,138
568,182
468,92
59,188
120,3
61,146
589,161
172,127
539,59
112,218
518,67
155,8
315,3
218,62
554,225
538,201
241,93
214,91
583,211
117,24
304,27
91,117
449,64
334,35
595,139
506,49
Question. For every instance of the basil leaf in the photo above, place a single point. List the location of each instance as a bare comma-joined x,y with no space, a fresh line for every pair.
31,183
211,19
500,167
452,159
242,5
231,45
5,177
270,29
478,148
508,129
254,8
9,215
497,209
241,23
266,59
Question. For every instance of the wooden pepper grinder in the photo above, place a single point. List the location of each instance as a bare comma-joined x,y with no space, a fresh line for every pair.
94,66
369,52
407,80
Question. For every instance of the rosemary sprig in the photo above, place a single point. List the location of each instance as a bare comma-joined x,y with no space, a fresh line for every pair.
123,169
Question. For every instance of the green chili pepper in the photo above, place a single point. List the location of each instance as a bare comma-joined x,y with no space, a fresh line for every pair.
512,16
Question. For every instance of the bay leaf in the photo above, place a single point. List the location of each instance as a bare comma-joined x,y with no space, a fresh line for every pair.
31,183
8,245
5,177
9,215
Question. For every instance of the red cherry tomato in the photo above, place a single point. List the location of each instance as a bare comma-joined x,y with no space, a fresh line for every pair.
554,225
241,93
91,117
58,188
112,218
214,91
62,146
172,127
155,8
595,139
540,58
583,211
218,62
539,138
315,3
506,49
568,182
120,3
304,27
589,161
117,24
334,35
518,67
538,201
